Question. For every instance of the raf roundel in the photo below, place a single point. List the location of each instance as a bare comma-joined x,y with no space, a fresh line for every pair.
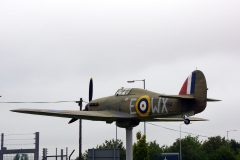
143,106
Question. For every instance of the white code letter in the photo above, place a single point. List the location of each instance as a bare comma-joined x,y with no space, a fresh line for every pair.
132,105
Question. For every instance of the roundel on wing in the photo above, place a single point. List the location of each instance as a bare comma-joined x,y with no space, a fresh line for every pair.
143,106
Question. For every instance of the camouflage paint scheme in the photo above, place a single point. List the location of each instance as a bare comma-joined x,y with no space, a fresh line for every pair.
129,107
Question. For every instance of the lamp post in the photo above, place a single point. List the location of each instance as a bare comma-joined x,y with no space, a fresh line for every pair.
180,141
233,130
143,80
80,131
115,145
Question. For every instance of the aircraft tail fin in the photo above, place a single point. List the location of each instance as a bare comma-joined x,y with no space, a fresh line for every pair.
195,85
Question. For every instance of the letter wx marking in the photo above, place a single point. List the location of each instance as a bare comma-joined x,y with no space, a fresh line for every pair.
156,105
164,107
159,105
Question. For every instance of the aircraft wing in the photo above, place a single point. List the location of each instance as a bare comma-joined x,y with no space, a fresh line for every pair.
89,115
97,115
174,119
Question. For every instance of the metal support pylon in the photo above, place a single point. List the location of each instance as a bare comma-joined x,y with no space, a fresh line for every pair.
129,150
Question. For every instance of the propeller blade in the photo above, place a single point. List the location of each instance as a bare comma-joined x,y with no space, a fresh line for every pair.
90,90
72,120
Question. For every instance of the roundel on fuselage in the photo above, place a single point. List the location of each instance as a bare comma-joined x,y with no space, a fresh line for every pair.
143,106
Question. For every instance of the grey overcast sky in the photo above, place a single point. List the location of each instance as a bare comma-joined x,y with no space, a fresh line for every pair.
50,48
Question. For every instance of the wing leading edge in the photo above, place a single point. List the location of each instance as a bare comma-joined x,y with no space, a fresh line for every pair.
88,115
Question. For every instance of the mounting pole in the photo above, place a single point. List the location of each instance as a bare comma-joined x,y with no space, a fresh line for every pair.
129,151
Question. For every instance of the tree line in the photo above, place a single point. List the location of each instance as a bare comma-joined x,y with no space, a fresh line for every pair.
214,148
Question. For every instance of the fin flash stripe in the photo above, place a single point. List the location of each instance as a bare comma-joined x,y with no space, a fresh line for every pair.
189,85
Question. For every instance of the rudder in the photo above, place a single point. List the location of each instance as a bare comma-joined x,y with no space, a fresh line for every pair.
195,85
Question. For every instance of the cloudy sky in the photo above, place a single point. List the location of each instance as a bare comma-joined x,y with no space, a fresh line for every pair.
50,48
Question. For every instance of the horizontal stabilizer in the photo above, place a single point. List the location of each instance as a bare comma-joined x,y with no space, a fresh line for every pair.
189,97
173,119
212,100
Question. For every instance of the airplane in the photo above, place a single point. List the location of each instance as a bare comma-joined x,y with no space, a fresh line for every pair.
130,106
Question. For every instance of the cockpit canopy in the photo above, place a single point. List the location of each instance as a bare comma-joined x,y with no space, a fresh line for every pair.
123,91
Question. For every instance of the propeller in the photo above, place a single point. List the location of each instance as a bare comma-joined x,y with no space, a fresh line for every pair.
90,95
78,102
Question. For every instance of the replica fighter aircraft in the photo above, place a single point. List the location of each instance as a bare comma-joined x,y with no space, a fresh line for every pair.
130,106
